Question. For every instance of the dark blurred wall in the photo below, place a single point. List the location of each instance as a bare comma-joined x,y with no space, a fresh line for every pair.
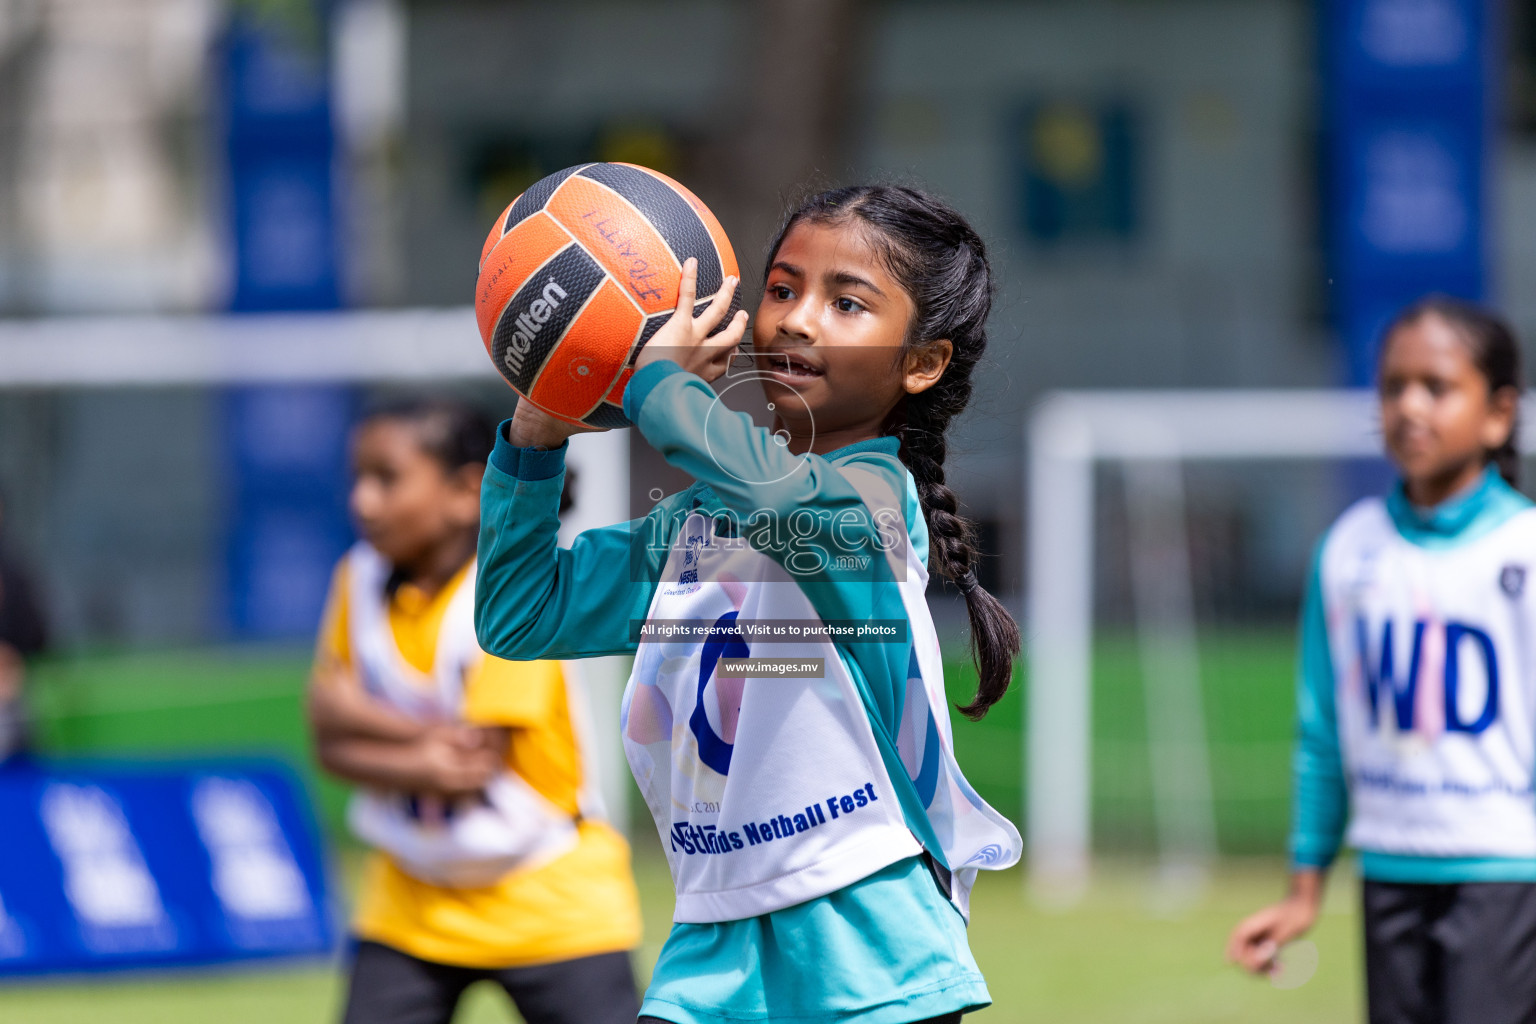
500,94
746,103
1143,173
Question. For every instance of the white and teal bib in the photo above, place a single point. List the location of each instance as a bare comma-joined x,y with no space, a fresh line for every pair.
1434,658
770,791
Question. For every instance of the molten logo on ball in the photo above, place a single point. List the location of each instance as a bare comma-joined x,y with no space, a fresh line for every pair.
529,322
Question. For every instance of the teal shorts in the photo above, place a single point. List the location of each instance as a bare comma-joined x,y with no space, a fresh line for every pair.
889,949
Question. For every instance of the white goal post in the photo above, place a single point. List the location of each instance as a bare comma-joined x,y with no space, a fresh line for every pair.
1151,433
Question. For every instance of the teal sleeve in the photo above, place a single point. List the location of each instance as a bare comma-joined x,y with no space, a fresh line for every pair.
800,510
534,599
1320,797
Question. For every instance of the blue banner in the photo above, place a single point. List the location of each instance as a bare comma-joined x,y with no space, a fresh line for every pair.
286,465
282,171
115,866
285,462
1407,131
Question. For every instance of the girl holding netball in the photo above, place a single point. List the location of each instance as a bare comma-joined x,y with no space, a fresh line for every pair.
821,837
1417,694
490,863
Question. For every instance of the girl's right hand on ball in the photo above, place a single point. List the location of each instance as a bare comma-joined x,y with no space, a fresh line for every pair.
686,339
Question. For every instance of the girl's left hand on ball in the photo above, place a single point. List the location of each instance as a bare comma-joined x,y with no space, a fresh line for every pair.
685,339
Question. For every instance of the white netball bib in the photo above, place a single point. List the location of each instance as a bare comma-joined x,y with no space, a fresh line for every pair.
1435,676
472,841
771,791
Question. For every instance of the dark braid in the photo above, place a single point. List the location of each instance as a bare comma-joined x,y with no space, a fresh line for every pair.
1495,353
942,265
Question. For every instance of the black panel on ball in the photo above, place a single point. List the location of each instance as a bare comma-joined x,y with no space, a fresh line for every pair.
730,313
671,215
533,200
606,416
521,343
653,323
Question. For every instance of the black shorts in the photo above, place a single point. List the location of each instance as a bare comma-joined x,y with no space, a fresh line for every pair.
391,987
1460,953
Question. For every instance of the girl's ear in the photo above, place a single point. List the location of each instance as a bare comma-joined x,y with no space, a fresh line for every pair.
924,364
1503,404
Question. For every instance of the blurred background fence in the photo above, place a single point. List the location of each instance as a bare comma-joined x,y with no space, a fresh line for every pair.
1175,194
1174,191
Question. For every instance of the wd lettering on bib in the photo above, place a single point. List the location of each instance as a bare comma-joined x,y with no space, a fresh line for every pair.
529,323
1380,675
1433,658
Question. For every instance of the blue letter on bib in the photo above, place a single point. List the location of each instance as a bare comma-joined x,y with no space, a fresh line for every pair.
1376,678
1454,632
725,641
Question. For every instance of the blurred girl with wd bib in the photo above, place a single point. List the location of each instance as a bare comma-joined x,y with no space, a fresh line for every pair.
1417,694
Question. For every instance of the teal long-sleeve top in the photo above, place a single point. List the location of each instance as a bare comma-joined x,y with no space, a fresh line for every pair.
888,949
1320,792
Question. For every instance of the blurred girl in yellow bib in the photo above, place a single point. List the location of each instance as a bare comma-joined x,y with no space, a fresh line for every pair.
491,860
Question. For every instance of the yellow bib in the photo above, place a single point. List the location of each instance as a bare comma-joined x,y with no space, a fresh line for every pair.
580,904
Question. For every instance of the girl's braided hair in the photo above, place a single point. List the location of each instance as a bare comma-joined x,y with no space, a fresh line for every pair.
942,264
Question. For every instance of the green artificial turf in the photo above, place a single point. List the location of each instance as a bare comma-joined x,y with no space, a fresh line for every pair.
1128,953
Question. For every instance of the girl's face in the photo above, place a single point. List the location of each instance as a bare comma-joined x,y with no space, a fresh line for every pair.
831,327
405,503
1438,417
